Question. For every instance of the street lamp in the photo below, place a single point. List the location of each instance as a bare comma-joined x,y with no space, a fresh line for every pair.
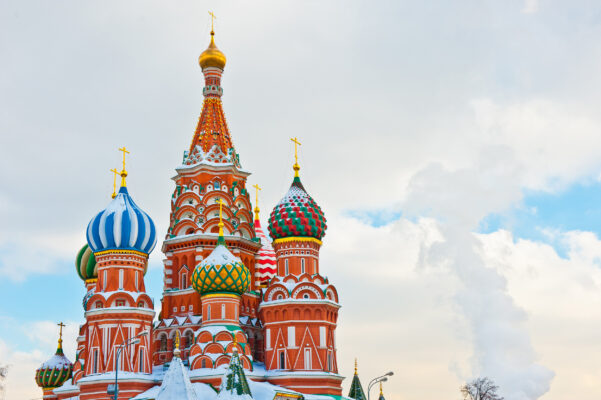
133,340
381,378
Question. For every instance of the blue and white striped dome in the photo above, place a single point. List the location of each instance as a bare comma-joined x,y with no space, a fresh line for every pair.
122,226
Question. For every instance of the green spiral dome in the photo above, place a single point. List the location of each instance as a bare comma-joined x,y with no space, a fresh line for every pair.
54,372
85,264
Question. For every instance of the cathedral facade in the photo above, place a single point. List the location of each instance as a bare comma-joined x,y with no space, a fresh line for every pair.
236,307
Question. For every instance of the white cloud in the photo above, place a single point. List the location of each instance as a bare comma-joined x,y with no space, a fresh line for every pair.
530,6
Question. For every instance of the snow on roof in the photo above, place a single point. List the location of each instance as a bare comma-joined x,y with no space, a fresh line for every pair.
203,391
220,256
215,329
57,361
176,383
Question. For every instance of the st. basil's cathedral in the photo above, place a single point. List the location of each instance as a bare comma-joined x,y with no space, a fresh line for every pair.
242,316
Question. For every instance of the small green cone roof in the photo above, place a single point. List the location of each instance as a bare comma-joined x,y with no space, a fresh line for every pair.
356,391
234,383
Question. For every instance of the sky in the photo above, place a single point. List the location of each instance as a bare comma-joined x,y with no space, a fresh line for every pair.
453,146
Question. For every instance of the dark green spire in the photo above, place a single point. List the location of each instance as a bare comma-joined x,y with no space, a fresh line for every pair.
234,382
356,391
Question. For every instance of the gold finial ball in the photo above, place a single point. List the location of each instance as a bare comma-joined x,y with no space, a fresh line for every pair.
212,56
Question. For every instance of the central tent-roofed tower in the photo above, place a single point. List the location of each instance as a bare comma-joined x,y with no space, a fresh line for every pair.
210,174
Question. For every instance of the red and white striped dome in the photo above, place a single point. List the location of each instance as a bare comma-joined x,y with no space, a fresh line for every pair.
265,268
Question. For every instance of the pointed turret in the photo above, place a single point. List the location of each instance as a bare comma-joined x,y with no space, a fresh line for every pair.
356,391
266,266
234,383
176,382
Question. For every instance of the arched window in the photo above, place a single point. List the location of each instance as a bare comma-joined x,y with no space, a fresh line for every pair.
163,346
282,360
189,339
98,304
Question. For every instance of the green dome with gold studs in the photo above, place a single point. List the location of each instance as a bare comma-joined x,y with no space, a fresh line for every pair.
220,272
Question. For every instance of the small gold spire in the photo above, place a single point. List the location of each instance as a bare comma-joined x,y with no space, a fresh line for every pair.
220,202
60,335
381,393
176,351
257,188
123,171
355,366
115,173
235,342
295,167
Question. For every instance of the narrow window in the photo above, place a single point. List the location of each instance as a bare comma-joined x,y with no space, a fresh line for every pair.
163,342
223,311
268,339
191,308
291,336
322,336
95,364
308,358
286,267
302,265
120,279
329,360
183,308
203,363
141,361
282,360
104,280
209,312
184,283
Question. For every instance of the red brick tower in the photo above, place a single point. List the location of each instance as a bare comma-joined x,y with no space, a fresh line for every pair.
210,173
121,237
299,308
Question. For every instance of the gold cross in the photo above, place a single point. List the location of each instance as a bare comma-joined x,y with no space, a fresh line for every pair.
60,337
212,19
123,172
115,173
257,188
220,202
296,168
177,340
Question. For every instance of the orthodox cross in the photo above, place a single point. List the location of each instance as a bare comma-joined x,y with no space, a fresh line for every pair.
115,173
212,19
296,144
123,172
60,335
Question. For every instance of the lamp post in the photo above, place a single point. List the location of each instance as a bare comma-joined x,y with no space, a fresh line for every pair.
382,378
130,341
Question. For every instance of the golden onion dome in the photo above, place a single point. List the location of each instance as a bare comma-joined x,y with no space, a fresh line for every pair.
212,56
